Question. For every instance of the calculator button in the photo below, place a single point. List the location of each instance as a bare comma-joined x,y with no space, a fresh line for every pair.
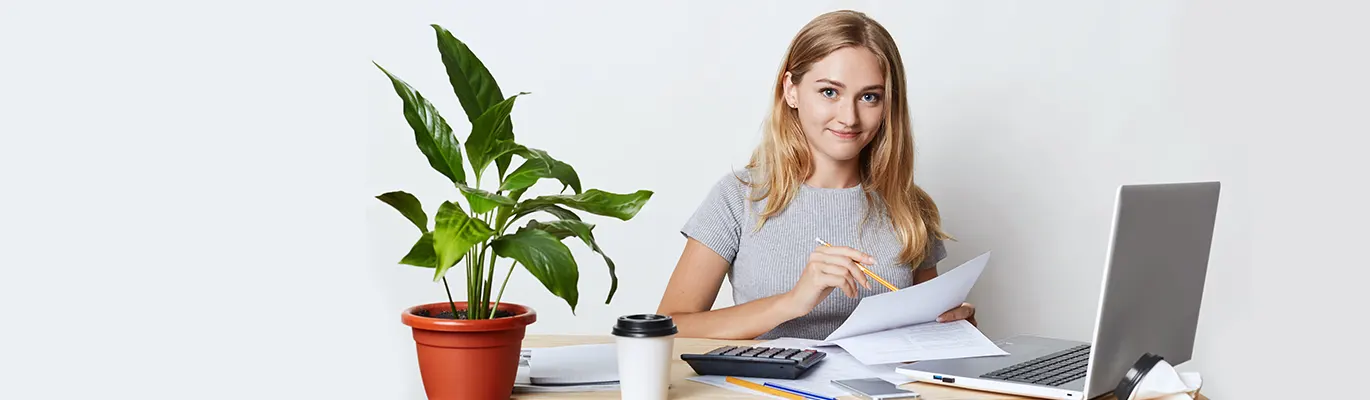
753,352
769,353
736,351
721,350
785,354
800,356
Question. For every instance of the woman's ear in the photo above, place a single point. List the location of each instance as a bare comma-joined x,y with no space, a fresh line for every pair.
791,96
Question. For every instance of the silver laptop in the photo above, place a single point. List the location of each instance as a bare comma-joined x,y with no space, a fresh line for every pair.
1152,284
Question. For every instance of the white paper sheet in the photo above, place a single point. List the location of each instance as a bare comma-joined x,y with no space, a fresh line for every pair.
579,364
912,305
838,364
926,341
523,382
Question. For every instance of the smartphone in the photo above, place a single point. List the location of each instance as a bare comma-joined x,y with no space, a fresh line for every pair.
874,389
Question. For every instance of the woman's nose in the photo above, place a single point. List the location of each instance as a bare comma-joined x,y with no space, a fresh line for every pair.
846,114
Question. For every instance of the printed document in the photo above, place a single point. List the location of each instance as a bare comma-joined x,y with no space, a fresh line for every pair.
901,326
926,341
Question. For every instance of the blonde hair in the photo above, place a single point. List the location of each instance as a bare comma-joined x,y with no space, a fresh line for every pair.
782,162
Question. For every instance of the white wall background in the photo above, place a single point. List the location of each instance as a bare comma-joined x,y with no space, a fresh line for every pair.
187,189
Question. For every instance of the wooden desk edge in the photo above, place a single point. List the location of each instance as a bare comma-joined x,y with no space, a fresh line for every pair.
681,371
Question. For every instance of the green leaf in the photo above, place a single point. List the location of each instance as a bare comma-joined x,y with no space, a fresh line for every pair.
431,131
526,175
561,213
505,148
516,194
454,234
621,206
505,213
540,165
567,175
559,170
481,145
471,81
502,162
409,206
565,228
474,85
422,255
502,159
483,201
546,258
553,209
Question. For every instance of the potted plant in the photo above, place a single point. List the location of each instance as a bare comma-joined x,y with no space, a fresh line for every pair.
470,349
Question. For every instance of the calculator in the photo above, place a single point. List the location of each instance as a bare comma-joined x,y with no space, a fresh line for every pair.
756,362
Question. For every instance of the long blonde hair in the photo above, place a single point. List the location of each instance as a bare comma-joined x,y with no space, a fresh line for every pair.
782,162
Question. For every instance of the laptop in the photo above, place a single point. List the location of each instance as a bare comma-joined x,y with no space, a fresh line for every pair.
1152,284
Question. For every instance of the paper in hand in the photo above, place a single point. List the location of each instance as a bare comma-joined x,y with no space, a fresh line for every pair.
912,305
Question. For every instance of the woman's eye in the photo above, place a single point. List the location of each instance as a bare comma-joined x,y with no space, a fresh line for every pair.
829,93
870,97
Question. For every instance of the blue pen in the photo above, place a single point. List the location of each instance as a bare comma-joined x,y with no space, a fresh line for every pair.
799,392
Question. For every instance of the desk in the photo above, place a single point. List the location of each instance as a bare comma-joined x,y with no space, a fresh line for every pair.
682,389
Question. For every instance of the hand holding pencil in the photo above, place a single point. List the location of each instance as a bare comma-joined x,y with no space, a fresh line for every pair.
830,267
865,270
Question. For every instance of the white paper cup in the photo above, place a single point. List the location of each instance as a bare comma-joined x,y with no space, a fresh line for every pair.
645,343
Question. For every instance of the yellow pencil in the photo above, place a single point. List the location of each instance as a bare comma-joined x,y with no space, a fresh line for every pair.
863,269
762,388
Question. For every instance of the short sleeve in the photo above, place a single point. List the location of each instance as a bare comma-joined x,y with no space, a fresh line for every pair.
936,253
717,223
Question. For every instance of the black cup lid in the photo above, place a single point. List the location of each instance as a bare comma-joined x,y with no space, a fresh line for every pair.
1134,376
644,326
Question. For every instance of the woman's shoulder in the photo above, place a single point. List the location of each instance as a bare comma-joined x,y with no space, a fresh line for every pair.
731,193
735,184
720,217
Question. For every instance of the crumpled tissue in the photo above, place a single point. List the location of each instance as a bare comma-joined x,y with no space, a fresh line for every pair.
1164,383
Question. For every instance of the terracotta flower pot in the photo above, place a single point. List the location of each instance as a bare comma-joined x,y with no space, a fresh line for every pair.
468,359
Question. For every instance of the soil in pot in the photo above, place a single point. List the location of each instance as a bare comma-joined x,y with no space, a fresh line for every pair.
461,314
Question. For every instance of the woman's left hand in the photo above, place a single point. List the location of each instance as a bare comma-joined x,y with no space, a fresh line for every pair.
965,311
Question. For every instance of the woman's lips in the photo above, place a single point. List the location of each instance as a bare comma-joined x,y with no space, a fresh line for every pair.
845,135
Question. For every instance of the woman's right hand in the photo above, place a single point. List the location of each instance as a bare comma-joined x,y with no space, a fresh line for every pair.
829,267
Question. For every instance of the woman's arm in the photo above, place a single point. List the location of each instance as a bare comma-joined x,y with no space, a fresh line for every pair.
966,311
693,288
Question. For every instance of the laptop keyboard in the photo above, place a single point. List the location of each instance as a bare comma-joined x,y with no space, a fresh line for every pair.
1051,370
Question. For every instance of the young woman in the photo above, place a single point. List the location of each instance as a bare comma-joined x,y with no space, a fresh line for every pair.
835,162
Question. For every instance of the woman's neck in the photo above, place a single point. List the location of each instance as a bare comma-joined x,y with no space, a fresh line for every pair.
829,174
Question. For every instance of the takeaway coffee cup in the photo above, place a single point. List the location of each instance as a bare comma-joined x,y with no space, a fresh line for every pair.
644,344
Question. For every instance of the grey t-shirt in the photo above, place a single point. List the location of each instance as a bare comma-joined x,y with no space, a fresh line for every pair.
769,261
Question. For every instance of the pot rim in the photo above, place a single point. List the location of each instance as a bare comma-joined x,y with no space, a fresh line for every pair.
523,316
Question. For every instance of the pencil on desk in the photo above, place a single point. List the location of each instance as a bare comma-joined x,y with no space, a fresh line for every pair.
863,269
811,396
763,389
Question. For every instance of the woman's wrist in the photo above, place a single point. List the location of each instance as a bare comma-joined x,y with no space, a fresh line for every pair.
784,305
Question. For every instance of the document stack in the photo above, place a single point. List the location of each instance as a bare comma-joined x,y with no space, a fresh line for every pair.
580,368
